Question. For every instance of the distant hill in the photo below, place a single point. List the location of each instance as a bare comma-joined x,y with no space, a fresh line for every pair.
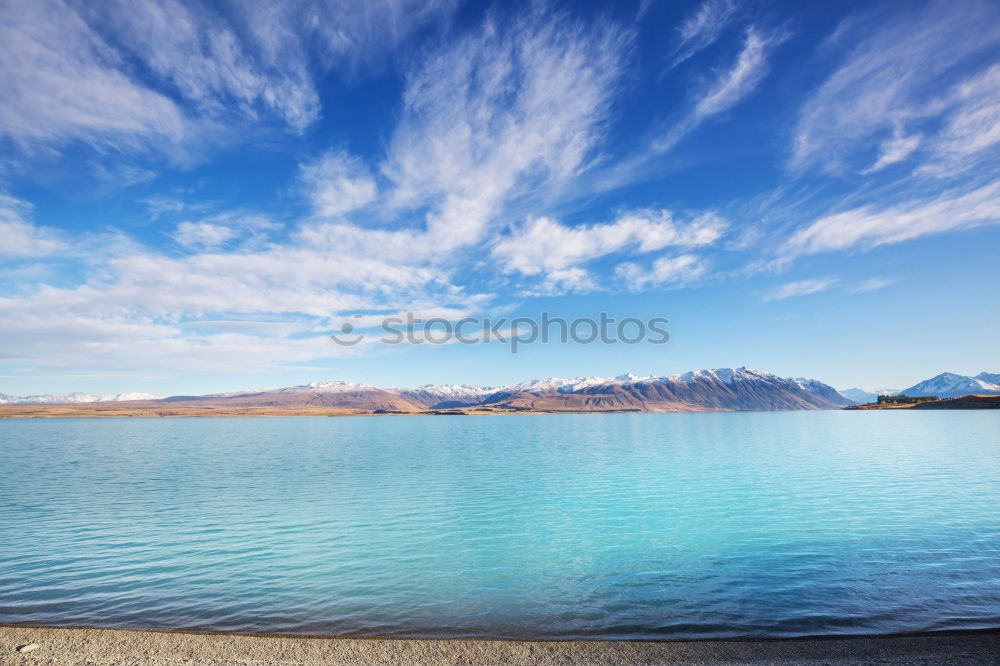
72,398
859,396
966,402
944,385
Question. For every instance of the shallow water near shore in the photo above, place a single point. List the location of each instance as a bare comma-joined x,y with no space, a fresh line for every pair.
546,526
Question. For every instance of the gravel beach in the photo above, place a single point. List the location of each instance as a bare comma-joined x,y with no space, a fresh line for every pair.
110,646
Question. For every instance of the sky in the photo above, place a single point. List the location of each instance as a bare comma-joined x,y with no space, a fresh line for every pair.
195,195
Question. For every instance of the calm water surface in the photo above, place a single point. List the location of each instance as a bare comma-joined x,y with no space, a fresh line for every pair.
631,526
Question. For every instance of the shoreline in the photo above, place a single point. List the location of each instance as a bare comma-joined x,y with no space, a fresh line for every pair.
84,645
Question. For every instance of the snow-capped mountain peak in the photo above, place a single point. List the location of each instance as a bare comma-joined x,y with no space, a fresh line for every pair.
558,384
952,385
630,378
334,386
725,375
450,391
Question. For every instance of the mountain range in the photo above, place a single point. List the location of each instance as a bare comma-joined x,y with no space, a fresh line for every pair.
945,385
72,398
951,385
724,389
721,389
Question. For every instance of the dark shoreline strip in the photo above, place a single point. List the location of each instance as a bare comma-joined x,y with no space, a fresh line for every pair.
81,645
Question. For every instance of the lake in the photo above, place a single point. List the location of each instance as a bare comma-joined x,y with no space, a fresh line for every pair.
550,526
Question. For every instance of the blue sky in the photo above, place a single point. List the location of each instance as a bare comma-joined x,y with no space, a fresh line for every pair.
193,195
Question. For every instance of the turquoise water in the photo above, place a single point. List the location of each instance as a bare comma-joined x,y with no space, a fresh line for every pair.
629,526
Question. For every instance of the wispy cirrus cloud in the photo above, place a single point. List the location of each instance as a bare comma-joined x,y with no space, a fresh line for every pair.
872,225
702,28
874,284
735,83
893,150
161,75
800,288
971,128
63,82
501,113
729,85
897,79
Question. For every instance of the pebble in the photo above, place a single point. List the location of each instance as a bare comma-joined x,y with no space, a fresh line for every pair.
28,648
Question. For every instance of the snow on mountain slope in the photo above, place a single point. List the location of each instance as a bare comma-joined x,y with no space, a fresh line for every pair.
570,385
951,385
121,397
719,388
557,384
334,386
823,390
724,375
453,390
72,398
991,377
447,395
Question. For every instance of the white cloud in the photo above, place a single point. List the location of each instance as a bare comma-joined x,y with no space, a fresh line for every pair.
136,309
895,80
871,226
223,228
134,347
202,234
664,271
800,288
337,183
544,245
19,238
564,281
702,28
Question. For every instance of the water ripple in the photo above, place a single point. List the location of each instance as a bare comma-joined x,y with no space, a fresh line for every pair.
614,526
